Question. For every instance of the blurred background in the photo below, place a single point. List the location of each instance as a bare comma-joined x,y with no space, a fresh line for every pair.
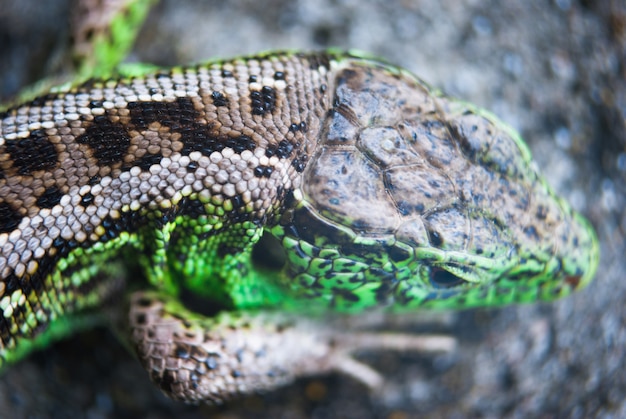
553,69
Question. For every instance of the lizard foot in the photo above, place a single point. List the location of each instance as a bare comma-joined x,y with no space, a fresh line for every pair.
193,358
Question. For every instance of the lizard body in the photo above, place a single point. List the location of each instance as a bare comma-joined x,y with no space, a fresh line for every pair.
380,191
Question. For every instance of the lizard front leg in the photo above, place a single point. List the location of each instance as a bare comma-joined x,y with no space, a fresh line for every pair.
194,358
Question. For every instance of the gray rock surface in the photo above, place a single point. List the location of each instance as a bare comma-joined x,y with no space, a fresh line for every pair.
554,69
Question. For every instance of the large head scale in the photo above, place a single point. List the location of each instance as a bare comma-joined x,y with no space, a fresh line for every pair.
412,198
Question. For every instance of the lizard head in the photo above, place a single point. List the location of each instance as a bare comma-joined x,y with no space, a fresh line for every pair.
414,199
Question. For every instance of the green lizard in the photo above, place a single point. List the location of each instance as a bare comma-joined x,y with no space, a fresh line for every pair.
251,194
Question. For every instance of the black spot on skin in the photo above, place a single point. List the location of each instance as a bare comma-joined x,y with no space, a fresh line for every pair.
299,163
33,153
198,139
346,295
263,171
323,88
279,75
264,101
227,73
192,166
219,99
9,218
147,161
64,246
407,208
109,142
383,291
253,78
435,238
269,98
94,180
283,150
191,207
95,104
181,117
295,127
11,283
237,201
241,143
128,221
50,198
176,115
181,351
256,100
383,276
398,254
87,199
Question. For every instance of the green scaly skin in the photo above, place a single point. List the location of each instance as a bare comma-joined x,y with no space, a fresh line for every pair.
378,191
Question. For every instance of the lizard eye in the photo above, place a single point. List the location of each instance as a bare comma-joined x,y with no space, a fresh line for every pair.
268,253
440,278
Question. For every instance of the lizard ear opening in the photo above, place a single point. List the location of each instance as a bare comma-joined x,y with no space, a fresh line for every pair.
268,253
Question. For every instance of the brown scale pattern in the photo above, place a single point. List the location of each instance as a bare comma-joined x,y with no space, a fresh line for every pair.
78,164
